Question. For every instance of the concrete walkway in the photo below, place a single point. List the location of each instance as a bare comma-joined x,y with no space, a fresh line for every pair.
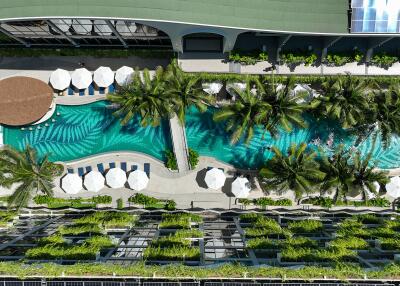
179,143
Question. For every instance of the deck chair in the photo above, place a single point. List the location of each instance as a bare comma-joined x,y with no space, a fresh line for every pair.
146,169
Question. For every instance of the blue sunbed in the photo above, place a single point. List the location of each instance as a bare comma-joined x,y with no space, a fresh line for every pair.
81,92
146,169
81,171
70,91
134,168
100,167
111,88
91,89
123,166
70,171
88,169
112,165
102,90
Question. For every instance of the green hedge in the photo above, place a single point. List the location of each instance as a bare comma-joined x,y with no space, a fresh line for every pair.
247,57
329,202
152,203
305,226
78,203
108,219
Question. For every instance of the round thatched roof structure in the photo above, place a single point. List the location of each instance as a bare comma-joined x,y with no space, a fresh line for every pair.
23,100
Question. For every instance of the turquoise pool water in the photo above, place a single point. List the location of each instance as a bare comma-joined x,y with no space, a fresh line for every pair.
210,139
80,131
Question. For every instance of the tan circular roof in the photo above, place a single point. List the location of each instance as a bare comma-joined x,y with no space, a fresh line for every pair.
23,100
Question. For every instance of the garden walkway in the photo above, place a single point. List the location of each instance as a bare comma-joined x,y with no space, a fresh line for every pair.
179,143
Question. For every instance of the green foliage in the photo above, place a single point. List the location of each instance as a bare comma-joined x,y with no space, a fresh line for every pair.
170,162
30,173
250,217
80,229
172,253
270,202
193,158
350,242
170,205
329,202
352,227
264,227
179,220
141,199
108,219
368,219
305,226
297,58
188,233
338,59
6,217
120,203
320,255
247,58
102,199
390,243
383,60
325,202
295,242
56,203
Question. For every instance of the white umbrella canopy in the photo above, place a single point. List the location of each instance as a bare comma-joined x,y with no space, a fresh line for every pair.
94,181
101,27
103,77
116,178
123,75
124,27
214,253
393,187
138,180
241,188
71,184
212,88
62,24
81,78
215,178
82,26
60,79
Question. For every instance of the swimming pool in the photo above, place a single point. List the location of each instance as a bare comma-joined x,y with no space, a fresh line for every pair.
210,139
81,131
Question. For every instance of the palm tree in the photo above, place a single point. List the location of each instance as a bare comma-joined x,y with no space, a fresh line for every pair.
286,109
31,175
297,170
385,117
345,99
244,114
185,91
347,172
144,97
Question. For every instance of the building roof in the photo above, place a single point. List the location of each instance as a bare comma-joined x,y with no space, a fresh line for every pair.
307,16
23,100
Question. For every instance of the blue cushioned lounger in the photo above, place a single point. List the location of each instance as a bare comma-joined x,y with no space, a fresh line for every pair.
111,88
123,166
112,165
146,169
102,90
100,167
70,171
134,168
70,91
81,171
88,169
209,168
81,92
91,89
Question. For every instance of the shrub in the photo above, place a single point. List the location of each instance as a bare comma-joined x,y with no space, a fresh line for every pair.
172,253
305,226
189,233
297,58
193,158
383,60
291,254
79,229
170,205
325,202
390,243
102,200
170,162
55,240
120,204
247,58
108,218
376,202
266,243
179,220
6,217
141,199
270,202
351,227
338,59
250,217
368,219
350,243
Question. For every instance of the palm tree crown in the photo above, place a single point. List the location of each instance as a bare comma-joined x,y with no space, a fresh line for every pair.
244,114
344,99
31,175
185,91
145,97
297,170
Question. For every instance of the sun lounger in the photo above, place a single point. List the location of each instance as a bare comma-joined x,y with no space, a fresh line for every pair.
102,90
91,89
81,172
88,169
146,169
134,167
70,171
100,167
112,165
81,92
222,169
123,166
111,88
70,91
209,168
